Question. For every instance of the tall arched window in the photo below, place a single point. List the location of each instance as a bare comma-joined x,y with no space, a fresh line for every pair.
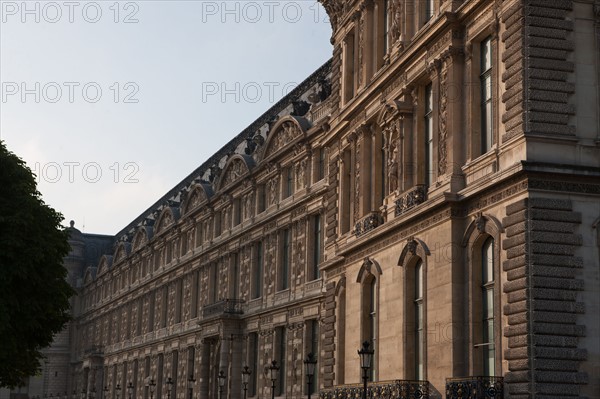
487,307
418,312
368,277
483,338
370,318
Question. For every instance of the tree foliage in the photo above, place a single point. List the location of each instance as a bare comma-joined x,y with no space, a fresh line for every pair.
34,295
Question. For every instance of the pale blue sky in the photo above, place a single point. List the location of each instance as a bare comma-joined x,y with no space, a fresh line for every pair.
169,61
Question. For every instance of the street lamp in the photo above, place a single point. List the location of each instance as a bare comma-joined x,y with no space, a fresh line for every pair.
118,390
222,377
169,387
245,378
151,387
105,390
191,381
130,389
274,370
366,358
309,363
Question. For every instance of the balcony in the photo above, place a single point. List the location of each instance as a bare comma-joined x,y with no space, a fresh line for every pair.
397,389
475,388
223,307
411,198
368,223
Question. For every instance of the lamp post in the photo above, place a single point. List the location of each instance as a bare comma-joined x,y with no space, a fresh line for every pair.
191,381
309,363
130,389
366,358
105,390
169,387
118,390
273,369
151,387
245,378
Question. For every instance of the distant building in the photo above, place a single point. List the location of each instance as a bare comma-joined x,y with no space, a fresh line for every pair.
434,190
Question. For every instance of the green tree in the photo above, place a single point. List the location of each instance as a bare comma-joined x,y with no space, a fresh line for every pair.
34,295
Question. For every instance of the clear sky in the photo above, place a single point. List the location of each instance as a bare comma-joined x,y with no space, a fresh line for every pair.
114,103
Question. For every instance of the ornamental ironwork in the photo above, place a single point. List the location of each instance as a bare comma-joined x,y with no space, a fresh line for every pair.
475,388
415,196
367,223
397,389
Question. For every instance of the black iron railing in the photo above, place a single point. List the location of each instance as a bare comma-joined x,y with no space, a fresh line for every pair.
224,306
368,223
475,388
397,389
415,196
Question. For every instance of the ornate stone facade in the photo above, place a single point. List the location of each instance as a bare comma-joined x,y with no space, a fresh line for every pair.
439,198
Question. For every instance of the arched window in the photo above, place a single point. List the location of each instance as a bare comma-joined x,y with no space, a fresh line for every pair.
419,324
368,277
487,307
414,261
483,298
415,321
369,318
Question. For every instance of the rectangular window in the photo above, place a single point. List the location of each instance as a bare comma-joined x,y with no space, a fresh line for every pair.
253,363
317,247
257,273
213,278
284,279
288,188
320,166
195,289
346,192
140,312
486,95
237,211
151,306
387,24
217,221
190,361
175,362
312,341
179,300
235,274
165,305
428,135
348,67
281,339
261,198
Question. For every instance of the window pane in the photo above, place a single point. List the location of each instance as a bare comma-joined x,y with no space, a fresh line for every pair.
487,261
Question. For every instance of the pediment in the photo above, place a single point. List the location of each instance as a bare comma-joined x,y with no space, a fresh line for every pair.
285,133
141,237
237,167
105,264
90,275
168,217
198,193
122,252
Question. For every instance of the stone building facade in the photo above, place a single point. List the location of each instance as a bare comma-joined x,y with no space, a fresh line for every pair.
434,189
